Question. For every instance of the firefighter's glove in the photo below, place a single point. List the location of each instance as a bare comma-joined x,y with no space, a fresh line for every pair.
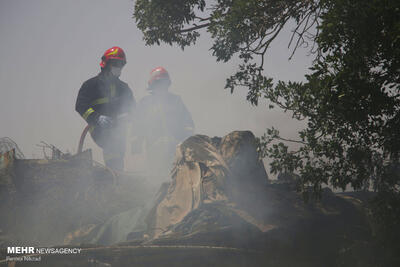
104,122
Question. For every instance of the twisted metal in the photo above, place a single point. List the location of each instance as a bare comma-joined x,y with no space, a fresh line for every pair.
7,144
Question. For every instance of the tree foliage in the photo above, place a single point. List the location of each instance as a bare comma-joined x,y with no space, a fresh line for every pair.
351,99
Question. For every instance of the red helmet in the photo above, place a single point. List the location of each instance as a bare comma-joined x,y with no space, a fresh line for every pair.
158,74
113,53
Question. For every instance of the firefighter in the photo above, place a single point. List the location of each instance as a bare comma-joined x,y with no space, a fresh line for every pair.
106,103
161,122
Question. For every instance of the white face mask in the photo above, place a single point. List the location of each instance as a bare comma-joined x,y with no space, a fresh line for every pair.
115,71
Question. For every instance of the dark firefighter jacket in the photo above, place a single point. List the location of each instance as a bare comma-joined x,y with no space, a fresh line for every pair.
102,95
162,115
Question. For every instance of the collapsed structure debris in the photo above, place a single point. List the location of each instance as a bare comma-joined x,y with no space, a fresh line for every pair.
7,144
56,153
47,200
219,203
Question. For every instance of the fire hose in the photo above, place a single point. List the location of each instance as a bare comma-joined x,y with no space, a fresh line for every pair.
82,139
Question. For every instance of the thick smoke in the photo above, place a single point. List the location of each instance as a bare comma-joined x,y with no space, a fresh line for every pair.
51,47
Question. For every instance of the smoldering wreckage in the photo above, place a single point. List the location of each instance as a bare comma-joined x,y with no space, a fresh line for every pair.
218,209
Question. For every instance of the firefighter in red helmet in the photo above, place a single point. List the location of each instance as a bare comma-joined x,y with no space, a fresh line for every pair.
161,122
106,103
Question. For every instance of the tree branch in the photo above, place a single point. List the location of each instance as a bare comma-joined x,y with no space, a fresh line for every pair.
194,28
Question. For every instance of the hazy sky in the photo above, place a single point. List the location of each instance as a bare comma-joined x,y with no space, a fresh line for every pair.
50,47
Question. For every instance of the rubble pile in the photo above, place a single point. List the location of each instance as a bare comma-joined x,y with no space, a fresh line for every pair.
53,202
220,195
219,208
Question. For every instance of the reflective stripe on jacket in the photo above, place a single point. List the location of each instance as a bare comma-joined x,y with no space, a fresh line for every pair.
104,96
